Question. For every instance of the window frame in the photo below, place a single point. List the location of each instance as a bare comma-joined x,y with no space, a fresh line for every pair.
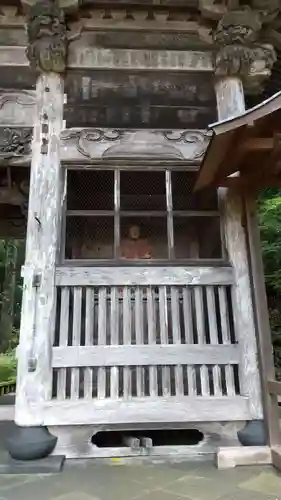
116,213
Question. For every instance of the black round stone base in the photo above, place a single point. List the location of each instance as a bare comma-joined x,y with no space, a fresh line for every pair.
30,443
253,434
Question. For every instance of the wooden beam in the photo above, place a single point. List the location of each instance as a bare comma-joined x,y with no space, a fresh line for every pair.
95,58
143,276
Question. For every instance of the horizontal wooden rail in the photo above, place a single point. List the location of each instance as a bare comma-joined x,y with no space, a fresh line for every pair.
143,276
146,410
145,355
274,387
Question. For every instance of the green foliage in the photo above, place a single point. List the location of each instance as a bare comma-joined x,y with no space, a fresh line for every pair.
8,367
270,225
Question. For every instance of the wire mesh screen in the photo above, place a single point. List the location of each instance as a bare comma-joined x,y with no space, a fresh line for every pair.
184,197
142,191
90,190
140,215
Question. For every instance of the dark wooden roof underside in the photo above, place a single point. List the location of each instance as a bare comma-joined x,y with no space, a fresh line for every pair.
245,151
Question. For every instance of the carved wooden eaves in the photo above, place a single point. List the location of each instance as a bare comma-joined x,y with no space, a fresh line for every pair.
67,5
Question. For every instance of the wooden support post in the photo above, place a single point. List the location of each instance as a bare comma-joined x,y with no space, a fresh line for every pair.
44,214
270,402
230,103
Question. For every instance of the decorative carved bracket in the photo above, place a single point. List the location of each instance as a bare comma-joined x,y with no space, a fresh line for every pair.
47,37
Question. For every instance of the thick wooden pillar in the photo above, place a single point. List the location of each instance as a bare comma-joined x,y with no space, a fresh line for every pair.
230,103
46,51
44,213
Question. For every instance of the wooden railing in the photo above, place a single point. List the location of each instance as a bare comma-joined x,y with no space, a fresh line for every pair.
135,344
7,387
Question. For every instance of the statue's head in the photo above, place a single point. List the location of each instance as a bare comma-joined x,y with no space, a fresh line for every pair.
134,232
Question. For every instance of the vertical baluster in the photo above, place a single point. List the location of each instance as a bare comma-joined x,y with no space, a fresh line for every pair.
151,320
139,337
176,337
102,340
191,381
214,339
127,336
114,329
163,312
226,338
63,339
188,332
204,375
199,312
200,327
89,340
76,338
187,314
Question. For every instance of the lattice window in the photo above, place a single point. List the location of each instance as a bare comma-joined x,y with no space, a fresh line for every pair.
120,215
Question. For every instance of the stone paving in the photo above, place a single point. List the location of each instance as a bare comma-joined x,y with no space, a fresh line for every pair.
119,480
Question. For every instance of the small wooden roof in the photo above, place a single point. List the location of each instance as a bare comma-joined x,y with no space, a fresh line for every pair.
249,144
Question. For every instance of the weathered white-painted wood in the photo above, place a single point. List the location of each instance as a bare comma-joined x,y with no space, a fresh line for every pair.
141,276
199,313
114,332
63,339
230,457
139,337
137,355
176,332
204,376
101,342
89,341
211,307
76,338
151,323
230,97
146,410
187,313
224,316
127,339
191,381
230,103
163,314
44,214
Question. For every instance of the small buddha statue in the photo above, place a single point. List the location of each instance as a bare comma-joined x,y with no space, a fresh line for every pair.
135,247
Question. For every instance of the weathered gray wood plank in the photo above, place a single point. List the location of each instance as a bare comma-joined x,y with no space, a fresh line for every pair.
138,355
45,206
151,323
63,339
76,338
126,276
230,103
187,313
139,337
127,339
199,313
146,410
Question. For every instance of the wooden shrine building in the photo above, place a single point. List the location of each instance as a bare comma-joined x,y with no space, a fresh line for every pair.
139,312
